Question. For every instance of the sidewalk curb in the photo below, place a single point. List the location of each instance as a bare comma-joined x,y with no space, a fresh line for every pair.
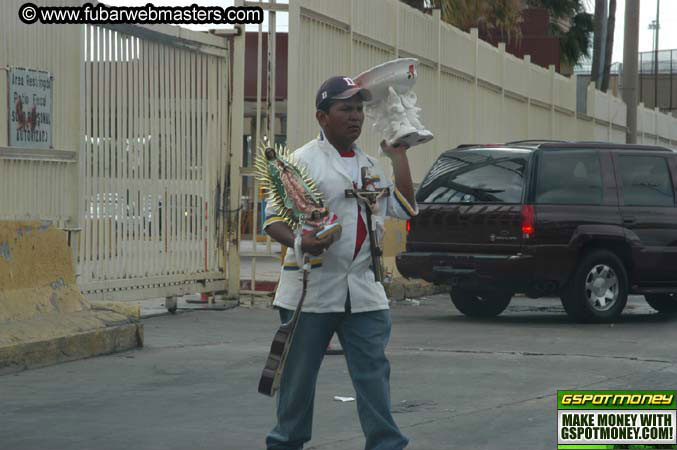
70,347
44,318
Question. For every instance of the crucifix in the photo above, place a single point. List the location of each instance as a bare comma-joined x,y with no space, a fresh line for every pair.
369,195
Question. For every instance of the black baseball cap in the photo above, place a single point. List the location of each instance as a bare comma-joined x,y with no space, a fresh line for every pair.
339,88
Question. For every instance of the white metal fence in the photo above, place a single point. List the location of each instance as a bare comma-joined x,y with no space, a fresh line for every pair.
143,137
470,91
154,123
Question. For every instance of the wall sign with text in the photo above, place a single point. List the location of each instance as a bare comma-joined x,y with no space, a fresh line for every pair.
30,108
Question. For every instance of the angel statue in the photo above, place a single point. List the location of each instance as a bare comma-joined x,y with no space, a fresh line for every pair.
392,108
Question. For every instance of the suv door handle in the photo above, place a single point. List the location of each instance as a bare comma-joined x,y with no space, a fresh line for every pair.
629,220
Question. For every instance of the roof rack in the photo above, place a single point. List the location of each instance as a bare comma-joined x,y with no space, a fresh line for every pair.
536,141
587,145
463,146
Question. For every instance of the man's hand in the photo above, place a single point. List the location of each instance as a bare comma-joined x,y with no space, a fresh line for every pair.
394,151
398,157
314,246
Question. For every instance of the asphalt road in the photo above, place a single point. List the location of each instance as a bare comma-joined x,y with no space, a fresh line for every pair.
456,383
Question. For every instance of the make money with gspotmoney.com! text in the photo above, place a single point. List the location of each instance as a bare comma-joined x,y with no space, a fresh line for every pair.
149,14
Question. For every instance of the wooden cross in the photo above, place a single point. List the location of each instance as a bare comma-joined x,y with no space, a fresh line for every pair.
369,194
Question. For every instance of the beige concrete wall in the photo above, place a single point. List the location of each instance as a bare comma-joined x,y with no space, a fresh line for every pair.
41,184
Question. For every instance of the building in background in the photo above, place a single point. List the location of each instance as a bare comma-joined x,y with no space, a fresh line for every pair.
537,40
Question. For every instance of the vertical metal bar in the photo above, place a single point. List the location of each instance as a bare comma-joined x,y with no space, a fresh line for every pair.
126,148
141,166
129,155
259,51
171,159
208,182
181,149
85,170
236,118
108,101
171,142
168,67
155,161
194,215
187,184
214,151
96,197
145,171
135,159
115,177
173,211
178,166
164,165
185,142
76,173
110,157
147,186
256,139
140,155
201,184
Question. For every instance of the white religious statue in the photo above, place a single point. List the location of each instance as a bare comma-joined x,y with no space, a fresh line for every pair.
393,107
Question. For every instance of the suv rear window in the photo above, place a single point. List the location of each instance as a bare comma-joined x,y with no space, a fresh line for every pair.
646,181
475,176
573,178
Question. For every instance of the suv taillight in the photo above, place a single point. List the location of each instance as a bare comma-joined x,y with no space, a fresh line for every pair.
528,221
408,226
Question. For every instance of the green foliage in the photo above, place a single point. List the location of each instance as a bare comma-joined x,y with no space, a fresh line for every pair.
575,43
494,16
569,21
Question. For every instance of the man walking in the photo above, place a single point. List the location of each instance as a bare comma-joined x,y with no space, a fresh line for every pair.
343,296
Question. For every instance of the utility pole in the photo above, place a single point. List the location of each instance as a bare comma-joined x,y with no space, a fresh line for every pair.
658,28
630,78
655,25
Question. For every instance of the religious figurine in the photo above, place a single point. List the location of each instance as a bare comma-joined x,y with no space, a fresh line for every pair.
393,107
294,195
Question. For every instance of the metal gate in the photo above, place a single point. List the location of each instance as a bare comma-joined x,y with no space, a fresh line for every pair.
153,162
265,124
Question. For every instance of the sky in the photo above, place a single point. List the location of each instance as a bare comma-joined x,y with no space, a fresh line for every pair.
667,34
647,12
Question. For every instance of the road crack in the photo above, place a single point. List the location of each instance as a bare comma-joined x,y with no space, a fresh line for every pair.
534,354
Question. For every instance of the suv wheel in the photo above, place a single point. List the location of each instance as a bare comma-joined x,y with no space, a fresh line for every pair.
598,289
665,303
480,304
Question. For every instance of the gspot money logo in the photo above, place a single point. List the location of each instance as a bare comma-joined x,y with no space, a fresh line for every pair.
616,419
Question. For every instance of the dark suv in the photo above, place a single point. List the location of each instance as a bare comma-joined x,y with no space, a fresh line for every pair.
588,222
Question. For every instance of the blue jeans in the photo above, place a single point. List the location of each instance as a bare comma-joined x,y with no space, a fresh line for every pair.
364,337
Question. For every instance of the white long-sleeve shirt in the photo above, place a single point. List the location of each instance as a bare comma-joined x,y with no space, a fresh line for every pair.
336,272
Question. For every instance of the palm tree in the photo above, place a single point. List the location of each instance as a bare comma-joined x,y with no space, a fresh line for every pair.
600,7
502,19
574,39
494,17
